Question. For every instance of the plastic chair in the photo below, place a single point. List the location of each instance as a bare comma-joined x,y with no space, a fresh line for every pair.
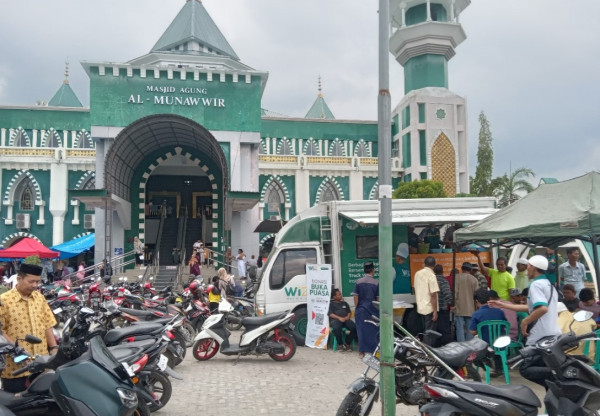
495,330
334,343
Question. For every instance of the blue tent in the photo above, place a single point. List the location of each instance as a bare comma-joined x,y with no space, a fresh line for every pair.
76,246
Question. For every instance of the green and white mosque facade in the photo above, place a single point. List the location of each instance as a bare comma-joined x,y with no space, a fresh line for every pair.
184,124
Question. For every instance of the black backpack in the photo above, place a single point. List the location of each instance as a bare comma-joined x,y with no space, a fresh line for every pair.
215,290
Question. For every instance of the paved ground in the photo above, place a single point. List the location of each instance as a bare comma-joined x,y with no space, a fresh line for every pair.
313,382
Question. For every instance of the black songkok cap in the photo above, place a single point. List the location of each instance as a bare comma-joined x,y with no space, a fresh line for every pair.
31,269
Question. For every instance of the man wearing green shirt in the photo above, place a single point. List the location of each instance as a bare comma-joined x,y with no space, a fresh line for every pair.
502,281
401,270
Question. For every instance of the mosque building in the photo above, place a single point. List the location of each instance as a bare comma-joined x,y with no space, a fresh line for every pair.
181,133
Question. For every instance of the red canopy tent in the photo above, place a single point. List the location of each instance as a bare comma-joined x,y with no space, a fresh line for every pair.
28,247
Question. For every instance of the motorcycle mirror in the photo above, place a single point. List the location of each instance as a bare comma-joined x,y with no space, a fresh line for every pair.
582,315
140,276
86,311
225,306
502,342
32,340
151,278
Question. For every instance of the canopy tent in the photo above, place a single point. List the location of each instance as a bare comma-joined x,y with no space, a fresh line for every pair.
28,247
76,246
549,216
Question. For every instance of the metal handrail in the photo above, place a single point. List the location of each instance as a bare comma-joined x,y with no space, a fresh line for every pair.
96,267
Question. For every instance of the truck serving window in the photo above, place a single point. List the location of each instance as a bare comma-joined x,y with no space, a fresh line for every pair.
367,247
290,263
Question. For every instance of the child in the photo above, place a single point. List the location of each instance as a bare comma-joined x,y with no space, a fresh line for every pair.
214,295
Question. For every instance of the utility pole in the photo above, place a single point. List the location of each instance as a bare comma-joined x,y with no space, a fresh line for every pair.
384,136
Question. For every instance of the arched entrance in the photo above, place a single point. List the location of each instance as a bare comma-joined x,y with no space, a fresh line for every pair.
172,160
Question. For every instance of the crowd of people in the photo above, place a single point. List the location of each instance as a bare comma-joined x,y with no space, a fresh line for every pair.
538,301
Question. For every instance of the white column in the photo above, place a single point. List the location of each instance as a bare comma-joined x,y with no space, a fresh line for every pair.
41,217
34,139
59,176
452,10
9,214
403,14
288,205
356,185
75,204
2,136
429,10
302,190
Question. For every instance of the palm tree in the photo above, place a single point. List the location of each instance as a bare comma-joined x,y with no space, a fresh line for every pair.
507,187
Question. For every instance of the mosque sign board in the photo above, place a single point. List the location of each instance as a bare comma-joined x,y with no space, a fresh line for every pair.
216,101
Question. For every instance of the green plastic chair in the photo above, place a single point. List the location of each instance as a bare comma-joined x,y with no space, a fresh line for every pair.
586,349
333,340
495,329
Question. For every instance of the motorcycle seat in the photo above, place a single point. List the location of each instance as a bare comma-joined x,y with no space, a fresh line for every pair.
126,352
162,321
137,312
515,393
455,354
255,321
147,328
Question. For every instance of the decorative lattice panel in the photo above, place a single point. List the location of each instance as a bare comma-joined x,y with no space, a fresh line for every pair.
443,164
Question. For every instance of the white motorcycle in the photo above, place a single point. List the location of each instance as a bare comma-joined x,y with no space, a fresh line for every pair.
262,335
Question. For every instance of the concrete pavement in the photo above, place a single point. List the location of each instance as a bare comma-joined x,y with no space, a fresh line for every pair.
312,383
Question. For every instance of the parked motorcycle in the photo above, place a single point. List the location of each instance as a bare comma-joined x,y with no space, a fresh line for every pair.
573,390
242,307
415,363
94,384
262,335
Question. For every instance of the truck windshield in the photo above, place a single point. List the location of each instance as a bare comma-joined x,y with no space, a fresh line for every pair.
291,263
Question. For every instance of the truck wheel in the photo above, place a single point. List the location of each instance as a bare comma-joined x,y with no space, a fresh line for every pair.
299,322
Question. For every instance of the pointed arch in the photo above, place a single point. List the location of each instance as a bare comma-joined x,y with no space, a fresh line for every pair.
311,148
262,149
178,151
374,194
13,185
336,148
329,190
362,149
285,147
51,139
19,138
87,181
9,239
443,163
275,195
84,140
266,238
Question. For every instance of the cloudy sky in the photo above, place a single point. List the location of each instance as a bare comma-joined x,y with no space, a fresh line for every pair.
531,65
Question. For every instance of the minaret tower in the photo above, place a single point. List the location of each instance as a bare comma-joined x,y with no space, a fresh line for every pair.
430,121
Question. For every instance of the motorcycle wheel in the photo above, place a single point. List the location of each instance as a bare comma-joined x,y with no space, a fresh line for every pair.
180,337
172,360
233,326
142,408
189,333
161,388
289,343
205,348
353,403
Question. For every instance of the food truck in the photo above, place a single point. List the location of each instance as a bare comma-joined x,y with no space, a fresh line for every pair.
345,234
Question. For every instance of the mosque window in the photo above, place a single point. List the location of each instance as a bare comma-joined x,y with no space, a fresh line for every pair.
362,150
52,139
261,149
311,148
21,139
26,199
285,148
336,149
89,184
329,193
274,202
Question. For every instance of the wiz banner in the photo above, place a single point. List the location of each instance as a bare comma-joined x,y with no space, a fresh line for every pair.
318,285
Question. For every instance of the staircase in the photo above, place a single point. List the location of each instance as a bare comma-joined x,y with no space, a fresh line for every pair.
168,241
193,233
166,276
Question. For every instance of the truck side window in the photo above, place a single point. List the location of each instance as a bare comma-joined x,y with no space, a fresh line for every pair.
290,263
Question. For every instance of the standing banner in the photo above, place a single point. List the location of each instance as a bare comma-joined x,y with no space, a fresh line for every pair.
318,285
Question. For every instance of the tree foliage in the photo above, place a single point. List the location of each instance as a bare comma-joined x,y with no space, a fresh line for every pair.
419,189
480,185
507,187
33,259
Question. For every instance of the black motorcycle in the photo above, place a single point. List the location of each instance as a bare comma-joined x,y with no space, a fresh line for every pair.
414,364
574,389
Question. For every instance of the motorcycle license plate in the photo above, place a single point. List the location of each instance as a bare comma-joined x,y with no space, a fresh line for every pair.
179,350
292,326
162,362
371,361
57,311
128,369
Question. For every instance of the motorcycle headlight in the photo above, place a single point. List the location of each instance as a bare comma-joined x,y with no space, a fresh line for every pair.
128,398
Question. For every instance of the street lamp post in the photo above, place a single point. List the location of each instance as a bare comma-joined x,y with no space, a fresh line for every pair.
384,135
